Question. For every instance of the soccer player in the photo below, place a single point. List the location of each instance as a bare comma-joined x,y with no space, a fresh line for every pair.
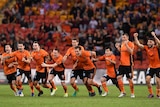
40,56
58,69
110,61
126,64
154,62
23,58
84,57
78,70
9,66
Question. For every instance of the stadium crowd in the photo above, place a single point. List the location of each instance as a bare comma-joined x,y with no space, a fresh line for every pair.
97,23
104,27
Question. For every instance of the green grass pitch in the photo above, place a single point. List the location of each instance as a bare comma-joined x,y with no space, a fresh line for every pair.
7,98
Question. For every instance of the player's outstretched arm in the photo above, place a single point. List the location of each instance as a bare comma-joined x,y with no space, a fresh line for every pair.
137,41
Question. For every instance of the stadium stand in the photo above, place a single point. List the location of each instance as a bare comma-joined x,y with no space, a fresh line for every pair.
68,21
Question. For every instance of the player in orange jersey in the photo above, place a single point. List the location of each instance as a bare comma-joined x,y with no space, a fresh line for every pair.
23,58
9,66
40,56
154,62
84,57
110,61
78,70
126,64
57,69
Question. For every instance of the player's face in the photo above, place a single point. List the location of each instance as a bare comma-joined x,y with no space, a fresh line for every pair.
108,52
78,52
36,46
150,43
8,48
74,43
124,37
55,53
20,47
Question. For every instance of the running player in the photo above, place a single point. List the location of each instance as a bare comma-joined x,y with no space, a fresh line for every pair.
78,70
110,61
9,66
126,64
40,56
23,58
154,62
84,57
58,69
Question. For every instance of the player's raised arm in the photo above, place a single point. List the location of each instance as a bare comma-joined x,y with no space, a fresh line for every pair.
137,41
155,37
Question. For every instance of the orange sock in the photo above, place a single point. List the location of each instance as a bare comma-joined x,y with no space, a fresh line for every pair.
92,91
38,87
13,87
52,84
31,87
89,88
65,88
20,85
157,91
74,86
95,84
121,86
47,86
150,90
104,86
131,87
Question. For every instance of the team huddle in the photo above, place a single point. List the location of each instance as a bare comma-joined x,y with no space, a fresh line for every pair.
49,65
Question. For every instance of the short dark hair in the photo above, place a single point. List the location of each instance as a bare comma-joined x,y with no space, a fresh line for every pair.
126,34
35,42
109,48
78,47
56,49
21,42
75,39
151,38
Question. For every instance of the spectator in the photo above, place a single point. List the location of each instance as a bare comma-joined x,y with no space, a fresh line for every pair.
93,23
31,24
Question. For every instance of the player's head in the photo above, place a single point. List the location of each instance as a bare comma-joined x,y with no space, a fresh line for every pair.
150,42
36,46
75,42
55,52
78,50
108,51
8,48
21,46
125,37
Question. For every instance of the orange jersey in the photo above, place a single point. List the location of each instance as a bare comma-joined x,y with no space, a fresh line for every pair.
58,61
85,60
8,70
153,56
125,56
71,52
110,67
38,57
21,64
